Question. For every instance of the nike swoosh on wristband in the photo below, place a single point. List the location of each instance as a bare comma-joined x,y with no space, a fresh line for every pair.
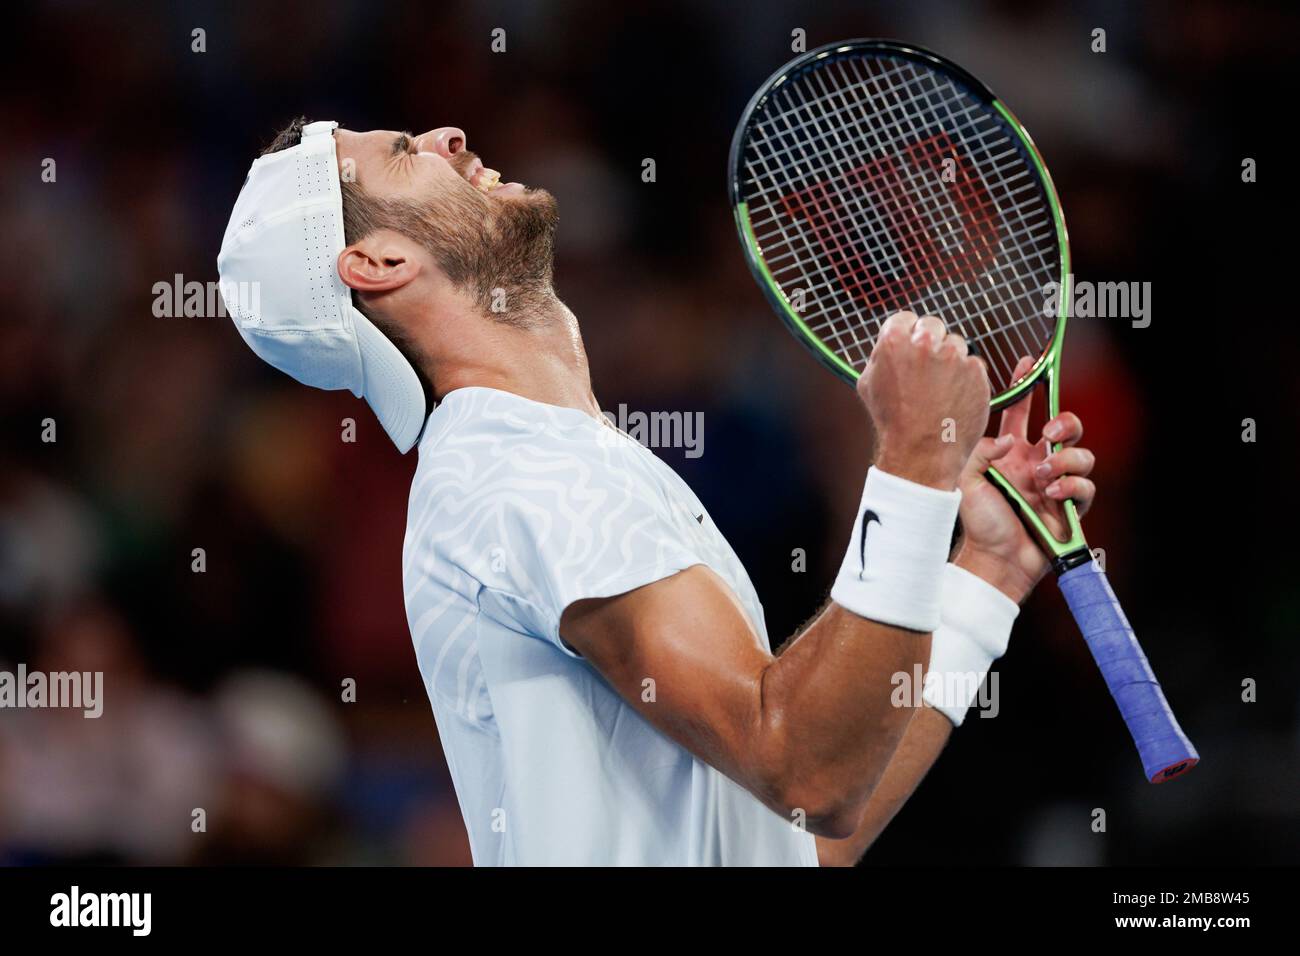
868,516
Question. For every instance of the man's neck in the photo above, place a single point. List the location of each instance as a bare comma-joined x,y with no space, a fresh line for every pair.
545,363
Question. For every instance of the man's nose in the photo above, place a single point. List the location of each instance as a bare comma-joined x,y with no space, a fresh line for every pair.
446,141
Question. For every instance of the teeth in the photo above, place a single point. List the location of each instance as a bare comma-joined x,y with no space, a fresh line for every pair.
488,179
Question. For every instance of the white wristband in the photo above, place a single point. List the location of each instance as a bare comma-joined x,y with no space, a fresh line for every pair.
893,570
975,626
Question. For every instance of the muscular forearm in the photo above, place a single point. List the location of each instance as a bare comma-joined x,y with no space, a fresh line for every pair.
829,701
975,625
808,732
830,721
926,736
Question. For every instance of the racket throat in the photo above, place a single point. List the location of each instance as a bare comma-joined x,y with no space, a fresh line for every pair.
1064,555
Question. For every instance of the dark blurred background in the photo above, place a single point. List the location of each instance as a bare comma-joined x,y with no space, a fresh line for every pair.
223,688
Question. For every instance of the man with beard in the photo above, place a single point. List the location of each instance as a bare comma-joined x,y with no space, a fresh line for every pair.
595,655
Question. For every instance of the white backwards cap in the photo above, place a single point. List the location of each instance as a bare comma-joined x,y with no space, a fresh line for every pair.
278,267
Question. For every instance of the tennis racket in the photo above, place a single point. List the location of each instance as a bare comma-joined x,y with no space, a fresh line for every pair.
870,177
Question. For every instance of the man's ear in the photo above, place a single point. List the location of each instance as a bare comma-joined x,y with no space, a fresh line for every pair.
379,263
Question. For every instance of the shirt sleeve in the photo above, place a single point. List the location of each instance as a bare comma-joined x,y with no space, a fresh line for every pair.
558,520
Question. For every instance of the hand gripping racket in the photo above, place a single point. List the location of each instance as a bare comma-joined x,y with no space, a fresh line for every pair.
871,176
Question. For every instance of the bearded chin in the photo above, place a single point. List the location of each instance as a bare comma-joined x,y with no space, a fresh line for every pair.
523,230
519,238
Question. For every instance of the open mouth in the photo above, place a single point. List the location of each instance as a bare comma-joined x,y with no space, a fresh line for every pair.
488,180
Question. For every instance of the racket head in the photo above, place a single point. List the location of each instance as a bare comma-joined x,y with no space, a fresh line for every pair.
869,177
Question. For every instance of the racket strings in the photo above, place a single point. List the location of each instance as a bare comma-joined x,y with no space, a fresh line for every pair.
977,327
912,130
856,219
919,274
820,125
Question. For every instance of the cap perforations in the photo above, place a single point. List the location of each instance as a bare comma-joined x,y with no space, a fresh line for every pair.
315,174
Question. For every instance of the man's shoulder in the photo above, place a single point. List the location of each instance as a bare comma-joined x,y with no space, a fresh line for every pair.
491,446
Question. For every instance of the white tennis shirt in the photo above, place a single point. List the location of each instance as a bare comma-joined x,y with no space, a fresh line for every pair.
517,510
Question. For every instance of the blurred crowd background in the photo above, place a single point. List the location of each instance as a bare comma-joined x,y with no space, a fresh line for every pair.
223,688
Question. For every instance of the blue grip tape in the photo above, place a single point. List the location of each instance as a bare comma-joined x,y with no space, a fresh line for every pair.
1164,748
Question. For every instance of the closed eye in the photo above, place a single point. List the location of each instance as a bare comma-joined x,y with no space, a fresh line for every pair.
403,143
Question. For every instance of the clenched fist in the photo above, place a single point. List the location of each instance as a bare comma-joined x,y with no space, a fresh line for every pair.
928,399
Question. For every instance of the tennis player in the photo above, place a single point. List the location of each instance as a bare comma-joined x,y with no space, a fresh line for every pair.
595,655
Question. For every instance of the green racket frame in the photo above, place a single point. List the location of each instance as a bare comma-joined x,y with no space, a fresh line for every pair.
1066,554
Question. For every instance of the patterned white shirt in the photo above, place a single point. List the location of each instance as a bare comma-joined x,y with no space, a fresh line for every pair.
517,510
